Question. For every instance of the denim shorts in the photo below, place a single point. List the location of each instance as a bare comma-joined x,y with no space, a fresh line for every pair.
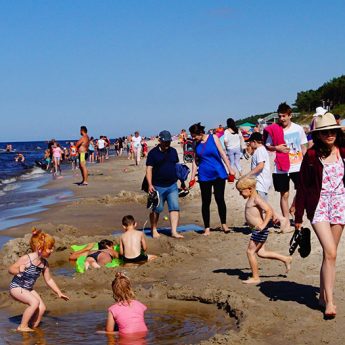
169,194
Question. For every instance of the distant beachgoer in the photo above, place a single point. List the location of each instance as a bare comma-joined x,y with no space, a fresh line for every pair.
321,192
26,271
9,148
183,136
219,131
133,245
19,158
129,146
47,159
83,146
161,177
73,155
294,147
127,313
57,157
257,214
210,158
101,149
107,146
233,141
144,148
91,151
136,141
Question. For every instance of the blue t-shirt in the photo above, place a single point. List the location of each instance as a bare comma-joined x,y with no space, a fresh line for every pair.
211,165
163,166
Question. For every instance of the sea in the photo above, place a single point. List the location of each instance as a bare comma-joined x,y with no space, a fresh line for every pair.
22,192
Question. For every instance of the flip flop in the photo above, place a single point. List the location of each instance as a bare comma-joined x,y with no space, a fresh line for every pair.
295,241
305,244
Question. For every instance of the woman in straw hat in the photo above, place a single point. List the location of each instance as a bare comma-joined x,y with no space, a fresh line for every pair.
321,193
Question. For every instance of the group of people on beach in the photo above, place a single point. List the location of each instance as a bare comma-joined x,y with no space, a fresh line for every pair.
317,174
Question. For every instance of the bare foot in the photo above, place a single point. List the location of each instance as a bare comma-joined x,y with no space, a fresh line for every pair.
207,232
330,311
251,281
285,225
24,329
288,264
155,234
176,235
225,229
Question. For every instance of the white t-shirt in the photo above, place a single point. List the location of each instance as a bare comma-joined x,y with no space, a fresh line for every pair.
294,137
136,142
232,140
264,178
101,144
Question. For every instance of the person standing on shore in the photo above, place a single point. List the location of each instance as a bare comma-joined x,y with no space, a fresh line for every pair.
210,158
321,192
83,146
136,142
161,177
289,155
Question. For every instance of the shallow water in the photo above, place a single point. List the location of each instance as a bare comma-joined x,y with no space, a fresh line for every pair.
170,323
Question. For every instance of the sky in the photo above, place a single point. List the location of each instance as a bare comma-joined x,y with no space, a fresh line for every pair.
118,66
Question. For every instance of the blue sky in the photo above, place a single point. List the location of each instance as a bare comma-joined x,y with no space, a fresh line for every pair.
123,65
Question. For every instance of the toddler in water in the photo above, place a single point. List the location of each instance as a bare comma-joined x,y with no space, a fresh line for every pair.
133,242
127,312
26,271
257,213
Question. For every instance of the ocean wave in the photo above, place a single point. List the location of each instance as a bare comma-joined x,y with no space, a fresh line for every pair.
8,180
35,172
11,186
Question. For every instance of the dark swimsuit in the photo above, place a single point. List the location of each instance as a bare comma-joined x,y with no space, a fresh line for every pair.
96,254
141,257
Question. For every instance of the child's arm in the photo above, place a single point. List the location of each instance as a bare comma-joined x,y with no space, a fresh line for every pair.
122,252
110,325
257,169
19,266
263,206
85,251
143,242
51,283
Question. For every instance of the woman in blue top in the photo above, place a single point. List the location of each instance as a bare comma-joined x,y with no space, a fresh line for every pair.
210,158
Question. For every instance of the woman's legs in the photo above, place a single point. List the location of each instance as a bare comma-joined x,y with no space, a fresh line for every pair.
219,188
237,158
231,156
329,236
206,194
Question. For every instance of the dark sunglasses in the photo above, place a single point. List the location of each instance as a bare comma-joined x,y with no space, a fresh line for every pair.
328,132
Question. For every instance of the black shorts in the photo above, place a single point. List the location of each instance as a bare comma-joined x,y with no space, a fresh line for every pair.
142,257
281,182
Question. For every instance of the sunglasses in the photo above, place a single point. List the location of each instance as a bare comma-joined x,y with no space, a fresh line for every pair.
328,132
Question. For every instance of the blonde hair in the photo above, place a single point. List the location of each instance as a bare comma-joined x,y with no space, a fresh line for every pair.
122,289
246,182
41,241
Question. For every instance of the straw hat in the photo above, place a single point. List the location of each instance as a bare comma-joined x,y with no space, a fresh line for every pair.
320,111
326,121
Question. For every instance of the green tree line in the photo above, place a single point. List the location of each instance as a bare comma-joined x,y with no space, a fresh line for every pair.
332,92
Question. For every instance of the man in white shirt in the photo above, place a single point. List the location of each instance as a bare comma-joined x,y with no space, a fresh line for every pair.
295,145
101,149
136,141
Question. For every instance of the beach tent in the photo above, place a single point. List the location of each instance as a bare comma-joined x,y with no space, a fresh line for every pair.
246,129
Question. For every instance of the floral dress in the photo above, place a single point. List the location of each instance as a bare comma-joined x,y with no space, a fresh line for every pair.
331,206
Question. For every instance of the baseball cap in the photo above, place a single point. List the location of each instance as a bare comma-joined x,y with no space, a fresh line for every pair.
256,136
164,136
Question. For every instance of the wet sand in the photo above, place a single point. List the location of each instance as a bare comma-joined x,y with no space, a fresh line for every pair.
281,310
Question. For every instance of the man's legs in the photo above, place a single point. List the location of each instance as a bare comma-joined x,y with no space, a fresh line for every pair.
83,169
174,210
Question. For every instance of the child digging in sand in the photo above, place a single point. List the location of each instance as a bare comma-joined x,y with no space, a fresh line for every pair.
132,243
26,271
127,312
257,213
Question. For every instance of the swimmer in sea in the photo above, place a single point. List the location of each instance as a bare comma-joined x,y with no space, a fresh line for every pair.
19,158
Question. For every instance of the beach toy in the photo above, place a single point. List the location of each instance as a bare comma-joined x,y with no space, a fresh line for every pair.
166,218
80,262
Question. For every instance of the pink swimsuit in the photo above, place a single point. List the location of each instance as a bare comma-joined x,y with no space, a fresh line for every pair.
331,206
57,152
129,318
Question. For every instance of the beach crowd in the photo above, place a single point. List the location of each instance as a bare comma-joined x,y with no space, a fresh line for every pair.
310,159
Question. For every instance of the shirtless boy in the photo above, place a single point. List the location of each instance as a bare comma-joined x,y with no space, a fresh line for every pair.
257,214
132,243
83,146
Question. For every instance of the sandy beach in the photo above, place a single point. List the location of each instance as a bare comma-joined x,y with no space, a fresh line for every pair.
282,309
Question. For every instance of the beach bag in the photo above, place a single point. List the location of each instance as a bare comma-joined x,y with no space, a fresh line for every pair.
182,171
145,185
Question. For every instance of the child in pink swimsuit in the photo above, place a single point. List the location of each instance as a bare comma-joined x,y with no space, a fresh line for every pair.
127,312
